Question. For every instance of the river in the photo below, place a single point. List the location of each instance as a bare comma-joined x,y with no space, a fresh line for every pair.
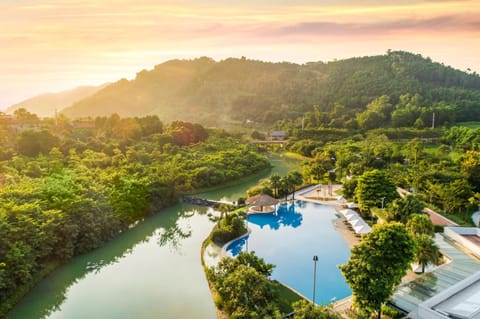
150,271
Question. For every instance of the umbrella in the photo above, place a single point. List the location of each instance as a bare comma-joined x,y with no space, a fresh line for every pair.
348,212
362,229
353,216
356,222
262,200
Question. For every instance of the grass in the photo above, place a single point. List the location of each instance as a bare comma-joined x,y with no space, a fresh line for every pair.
295,156
380,213
471,125
463,219
287,297
432,150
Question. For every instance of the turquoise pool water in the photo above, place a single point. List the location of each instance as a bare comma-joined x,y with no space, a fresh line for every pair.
290,238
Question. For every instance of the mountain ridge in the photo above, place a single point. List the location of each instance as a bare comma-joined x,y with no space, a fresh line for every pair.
45,104
212,92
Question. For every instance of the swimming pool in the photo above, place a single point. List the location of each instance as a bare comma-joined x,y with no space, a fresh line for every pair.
290,238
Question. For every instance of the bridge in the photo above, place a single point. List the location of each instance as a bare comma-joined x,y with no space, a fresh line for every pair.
204,202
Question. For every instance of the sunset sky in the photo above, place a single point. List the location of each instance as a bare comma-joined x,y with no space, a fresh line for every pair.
52,45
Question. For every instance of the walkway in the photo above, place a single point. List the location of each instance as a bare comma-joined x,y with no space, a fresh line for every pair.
409,295
435,217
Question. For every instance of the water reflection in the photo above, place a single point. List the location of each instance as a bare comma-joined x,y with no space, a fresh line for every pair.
237,246
285,216
171,226
173,237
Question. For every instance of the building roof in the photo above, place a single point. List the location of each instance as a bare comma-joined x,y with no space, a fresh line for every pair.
461,300
262,200
438,219
462,264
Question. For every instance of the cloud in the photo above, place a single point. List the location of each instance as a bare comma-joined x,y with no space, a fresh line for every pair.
458,24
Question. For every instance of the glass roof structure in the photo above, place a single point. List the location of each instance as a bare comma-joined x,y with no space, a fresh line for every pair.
409,295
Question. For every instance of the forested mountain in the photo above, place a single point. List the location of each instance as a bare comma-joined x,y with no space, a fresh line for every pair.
44,105
335,94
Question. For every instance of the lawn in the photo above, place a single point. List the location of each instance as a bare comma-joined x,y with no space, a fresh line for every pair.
471,125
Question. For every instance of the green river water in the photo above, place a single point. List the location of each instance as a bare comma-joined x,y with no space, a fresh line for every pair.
151,271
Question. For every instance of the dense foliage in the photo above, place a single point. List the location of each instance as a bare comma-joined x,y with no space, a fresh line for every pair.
68,194
441,173
229,227
377,265
374,188
398,89
306,310
243,287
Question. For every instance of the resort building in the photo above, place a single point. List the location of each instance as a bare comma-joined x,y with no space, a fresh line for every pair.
278,135
451,290
461,300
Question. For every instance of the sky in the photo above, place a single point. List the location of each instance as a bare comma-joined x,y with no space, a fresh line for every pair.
54,45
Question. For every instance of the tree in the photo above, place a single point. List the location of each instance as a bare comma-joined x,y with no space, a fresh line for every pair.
248,294
372,186
426,251
453,197
275,183
32,143
420,224
244,288
25,117
370,119
295,179
377,265
470,164
402,208
150,124
306,310
322,163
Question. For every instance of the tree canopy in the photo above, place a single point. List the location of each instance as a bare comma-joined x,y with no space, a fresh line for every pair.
377,265
374,189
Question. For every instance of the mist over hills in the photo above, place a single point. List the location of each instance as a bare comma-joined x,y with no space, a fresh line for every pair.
209,92
44,105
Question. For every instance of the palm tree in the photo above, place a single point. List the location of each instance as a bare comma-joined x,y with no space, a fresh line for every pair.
426,251
294,179
275,183
284,186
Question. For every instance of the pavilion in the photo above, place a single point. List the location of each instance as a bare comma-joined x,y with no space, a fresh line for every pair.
262,203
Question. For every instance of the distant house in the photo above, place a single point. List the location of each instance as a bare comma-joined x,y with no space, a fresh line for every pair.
17,126
6,119
278,135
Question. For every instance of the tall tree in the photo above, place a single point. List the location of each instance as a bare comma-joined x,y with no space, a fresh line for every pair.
420,224
402,208
426,251
373,188
275,183
377,265
295,179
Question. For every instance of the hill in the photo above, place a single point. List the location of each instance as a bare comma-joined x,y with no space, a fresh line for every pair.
44,105
210,92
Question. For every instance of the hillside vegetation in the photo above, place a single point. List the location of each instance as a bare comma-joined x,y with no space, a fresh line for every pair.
405,89
44,105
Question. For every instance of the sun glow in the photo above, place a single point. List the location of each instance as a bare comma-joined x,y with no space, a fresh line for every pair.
61,44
